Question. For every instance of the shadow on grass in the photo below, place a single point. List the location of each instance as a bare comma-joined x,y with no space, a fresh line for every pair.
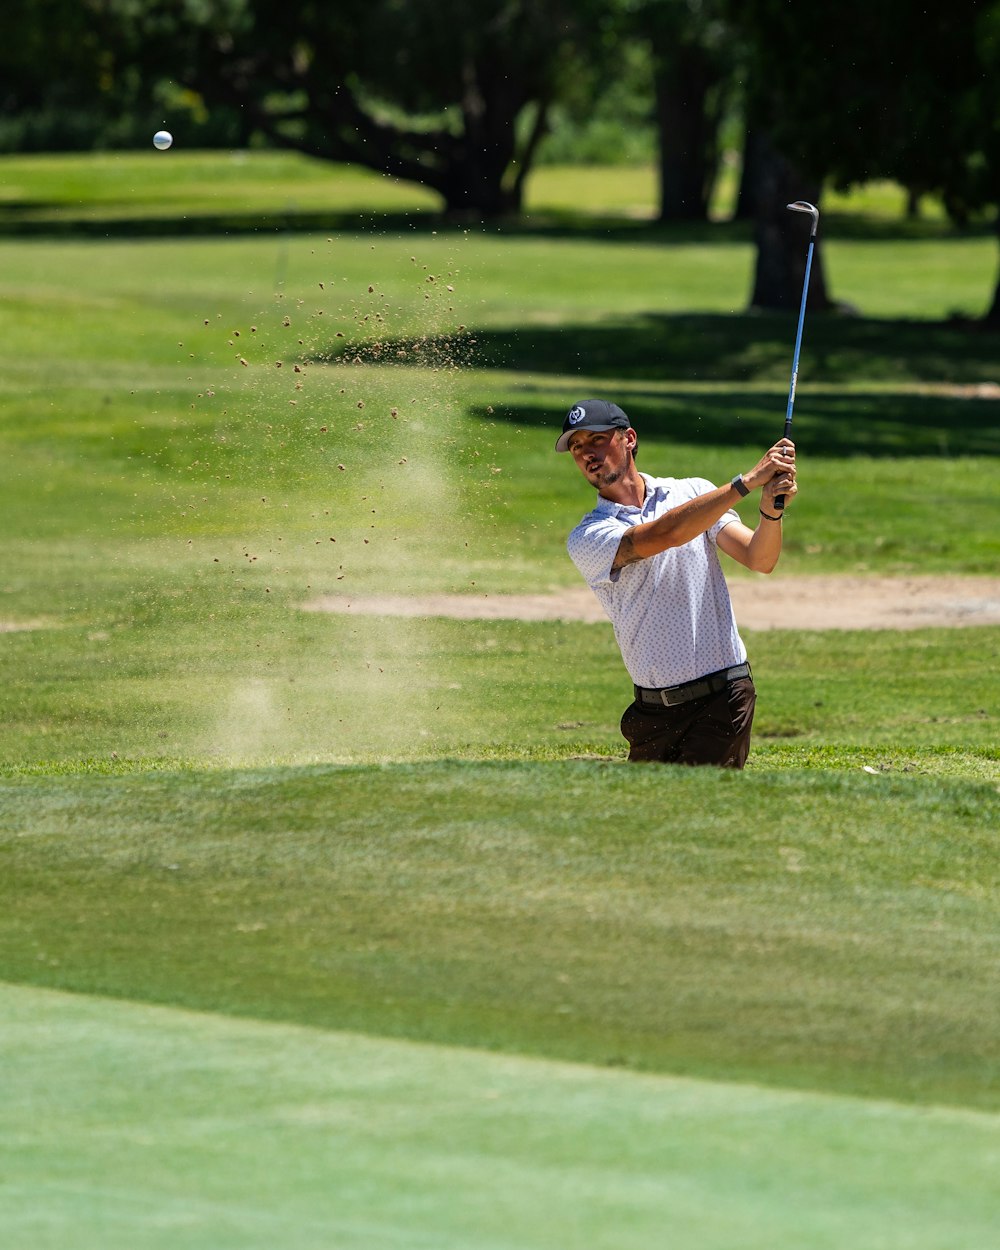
702,347
57,219
203,225
722,352
859,423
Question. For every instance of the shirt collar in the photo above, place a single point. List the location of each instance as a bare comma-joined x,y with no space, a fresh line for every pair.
608,507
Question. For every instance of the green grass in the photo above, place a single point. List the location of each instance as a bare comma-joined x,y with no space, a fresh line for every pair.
204,189
197,677
685,941
235,1133
274,855
245,189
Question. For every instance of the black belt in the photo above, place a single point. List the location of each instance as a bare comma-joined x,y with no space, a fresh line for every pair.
711,683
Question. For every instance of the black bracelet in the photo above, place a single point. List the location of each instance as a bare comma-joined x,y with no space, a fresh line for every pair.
768,515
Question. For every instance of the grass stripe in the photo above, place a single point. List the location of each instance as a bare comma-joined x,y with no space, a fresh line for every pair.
788,928
129,1125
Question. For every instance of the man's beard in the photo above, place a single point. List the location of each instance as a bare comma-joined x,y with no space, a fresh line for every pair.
609,478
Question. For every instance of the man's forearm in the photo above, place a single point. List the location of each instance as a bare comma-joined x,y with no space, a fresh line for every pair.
676,527
764,547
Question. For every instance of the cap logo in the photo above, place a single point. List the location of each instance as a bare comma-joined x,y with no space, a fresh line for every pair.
576,415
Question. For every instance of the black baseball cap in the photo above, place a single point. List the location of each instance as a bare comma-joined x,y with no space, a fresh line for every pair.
592,414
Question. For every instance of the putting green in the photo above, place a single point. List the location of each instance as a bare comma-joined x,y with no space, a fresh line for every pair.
126,1125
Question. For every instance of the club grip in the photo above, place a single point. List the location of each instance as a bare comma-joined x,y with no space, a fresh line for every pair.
779,500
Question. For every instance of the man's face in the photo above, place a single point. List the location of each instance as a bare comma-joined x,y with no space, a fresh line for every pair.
602,455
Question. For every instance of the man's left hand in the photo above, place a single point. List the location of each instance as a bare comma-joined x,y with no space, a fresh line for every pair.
774,473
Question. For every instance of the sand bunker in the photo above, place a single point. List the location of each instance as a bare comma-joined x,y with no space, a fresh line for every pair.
807,602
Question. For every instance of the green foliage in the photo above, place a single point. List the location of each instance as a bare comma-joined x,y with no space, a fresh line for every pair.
883,91
416,90
605,118
68,86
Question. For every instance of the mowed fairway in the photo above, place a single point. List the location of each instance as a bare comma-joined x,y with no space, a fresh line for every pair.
171,1129
569,909
333,930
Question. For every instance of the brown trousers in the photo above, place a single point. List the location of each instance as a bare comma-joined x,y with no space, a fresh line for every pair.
711,730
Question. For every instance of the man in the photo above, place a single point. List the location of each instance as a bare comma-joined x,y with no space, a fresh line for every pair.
648,551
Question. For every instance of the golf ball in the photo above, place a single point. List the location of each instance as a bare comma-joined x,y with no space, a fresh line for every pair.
162,140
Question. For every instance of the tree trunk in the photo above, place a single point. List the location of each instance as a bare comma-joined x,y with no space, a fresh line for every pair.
783,237
526,158
475,190
474,177
746,207
683,80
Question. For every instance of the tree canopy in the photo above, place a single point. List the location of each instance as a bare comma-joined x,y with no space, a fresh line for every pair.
432,91
460,97
883,91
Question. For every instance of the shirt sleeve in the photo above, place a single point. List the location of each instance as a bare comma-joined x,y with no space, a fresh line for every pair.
701,487
593,546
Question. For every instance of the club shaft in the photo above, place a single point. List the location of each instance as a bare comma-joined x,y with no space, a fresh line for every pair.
779,500
798,334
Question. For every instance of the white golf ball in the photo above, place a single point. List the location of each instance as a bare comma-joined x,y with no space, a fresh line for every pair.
162,140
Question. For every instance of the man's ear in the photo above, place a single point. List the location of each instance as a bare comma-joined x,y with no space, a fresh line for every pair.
631,439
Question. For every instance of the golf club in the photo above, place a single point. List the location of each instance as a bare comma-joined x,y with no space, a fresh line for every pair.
800,206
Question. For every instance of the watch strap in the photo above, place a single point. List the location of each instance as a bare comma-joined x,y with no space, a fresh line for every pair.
740,485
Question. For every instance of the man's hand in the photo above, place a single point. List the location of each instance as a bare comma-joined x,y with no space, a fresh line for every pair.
760,548
783,484
775,467
775,472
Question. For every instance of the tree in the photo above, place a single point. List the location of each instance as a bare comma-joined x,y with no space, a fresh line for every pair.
780,164
691,77
34,35
881,91
948,136
433,91
67,84
779,271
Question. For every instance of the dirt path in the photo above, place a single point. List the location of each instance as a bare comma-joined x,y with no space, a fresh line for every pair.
808,602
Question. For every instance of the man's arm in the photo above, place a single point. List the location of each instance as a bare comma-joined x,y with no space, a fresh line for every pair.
676,527
759,549
685,522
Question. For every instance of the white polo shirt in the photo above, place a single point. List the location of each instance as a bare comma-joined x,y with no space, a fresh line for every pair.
671,613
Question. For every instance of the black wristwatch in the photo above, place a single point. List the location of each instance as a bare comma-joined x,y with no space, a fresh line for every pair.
740,485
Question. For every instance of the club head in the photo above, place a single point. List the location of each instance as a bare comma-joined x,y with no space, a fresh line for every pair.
803,206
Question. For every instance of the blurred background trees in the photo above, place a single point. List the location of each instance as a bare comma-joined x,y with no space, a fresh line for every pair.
467,99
